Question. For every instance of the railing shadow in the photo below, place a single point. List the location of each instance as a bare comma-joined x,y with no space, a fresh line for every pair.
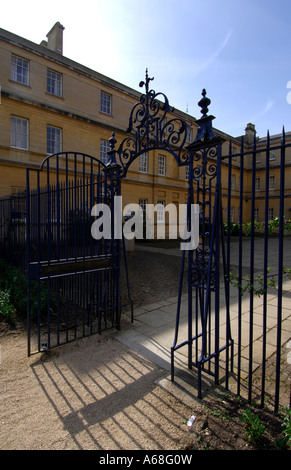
106,398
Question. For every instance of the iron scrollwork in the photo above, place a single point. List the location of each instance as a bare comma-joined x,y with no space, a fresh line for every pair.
150,129
204,178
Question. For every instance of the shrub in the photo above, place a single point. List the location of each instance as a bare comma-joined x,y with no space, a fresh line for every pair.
253,427
286,425
13,281
6,308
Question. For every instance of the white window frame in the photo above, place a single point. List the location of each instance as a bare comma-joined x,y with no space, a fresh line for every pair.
271,182
189,135
161,212
161,165
258,183
256,214
187,173
143,207
143,163
271,213
105,103
272,154
20,70
19,132
233,181
104,149
54,83
54,140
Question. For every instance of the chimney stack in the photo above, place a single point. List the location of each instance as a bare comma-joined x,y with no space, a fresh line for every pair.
250,131
55,38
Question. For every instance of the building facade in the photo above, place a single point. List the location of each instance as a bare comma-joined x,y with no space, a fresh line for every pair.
52,104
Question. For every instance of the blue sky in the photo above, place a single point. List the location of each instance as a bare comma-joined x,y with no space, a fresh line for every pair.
240,51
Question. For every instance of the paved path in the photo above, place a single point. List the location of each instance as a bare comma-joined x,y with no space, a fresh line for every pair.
152,333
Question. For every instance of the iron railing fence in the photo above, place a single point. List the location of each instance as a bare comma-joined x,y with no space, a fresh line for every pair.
261,255
239,278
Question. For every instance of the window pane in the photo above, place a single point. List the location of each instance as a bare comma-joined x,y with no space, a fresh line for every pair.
20,70
143,163
54,140
105,103
189,135
161,211
104,148
19,132
162,165
257,184
54,83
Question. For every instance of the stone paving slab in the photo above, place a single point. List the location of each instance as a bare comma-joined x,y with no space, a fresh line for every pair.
152,333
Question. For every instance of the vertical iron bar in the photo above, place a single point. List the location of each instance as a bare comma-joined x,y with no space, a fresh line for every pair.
265,296
28,262
252,271
38,257
280,269
239,342
83,214
49,238
209,309
58,189
67,251
179,300
190,261
116,190
217,265
226,272
198,312
58,209
74,216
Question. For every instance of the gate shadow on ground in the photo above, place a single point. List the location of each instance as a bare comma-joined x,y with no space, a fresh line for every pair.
106,398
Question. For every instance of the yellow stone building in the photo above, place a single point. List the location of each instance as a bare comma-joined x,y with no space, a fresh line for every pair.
51,104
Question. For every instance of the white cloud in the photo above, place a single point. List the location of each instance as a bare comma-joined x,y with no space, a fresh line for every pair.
208,62
264,111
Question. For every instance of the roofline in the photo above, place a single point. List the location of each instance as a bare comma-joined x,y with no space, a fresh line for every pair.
60,59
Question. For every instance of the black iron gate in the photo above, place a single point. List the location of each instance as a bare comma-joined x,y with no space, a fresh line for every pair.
73,278
211,287
152,128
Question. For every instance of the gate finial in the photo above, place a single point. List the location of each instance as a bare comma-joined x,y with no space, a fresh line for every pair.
112,141
147,81
204,131
203,103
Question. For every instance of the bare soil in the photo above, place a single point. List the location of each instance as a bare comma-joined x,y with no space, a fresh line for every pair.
97,394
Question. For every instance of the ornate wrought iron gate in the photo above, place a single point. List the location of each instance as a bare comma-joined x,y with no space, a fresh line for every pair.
208,267
73,279
151,128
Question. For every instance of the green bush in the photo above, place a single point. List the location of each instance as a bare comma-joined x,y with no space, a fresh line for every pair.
6,308
254,429
286,425
14,282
